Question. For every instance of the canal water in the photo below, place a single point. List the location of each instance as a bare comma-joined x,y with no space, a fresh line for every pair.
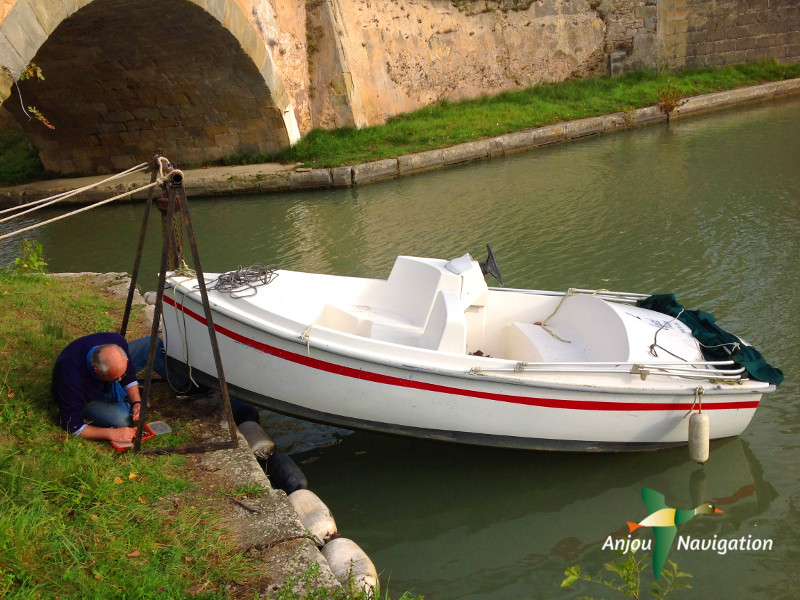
707,208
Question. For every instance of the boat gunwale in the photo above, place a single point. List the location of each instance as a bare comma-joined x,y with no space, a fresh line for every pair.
743,387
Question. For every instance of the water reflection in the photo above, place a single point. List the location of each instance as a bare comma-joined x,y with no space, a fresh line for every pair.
706,208
466,518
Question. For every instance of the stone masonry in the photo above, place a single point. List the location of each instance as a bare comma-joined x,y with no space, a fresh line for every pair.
699,33
203,79
180,83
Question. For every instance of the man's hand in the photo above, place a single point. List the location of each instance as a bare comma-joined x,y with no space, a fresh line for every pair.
121,434
135,398
113,434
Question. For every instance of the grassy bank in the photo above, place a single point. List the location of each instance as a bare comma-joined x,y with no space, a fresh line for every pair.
449,123
79,520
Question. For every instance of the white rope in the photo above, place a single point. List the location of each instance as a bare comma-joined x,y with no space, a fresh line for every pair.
64,195
698,401
80,210
306,335
543,324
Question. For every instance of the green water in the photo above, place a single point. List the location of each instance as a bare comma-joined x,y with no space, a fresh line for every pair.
708,208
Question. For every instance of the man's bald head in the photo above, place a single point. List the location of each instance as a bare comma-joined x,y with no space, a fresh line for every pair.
110,362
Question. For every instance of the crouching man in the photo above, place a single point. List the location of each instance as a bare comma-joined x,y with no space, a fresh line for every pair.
94,379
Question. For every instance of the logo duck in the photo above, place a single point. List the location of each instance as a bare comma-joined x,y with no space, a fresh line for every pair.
664,521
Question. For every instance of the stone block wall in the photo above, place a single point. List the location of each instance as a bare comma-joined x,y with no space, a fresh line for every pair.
631,27
202,79
123,81
701,33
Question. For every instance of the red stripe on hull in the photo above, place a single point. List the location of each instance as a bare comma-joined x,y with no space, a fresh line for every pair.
335,369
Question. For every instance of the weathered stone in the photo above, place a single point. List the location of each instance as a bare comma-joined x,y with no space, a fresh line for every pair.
466,152
262,523
374,171
291,558
530,138
584,127
789,86
368,62
49,13
707,102
342,176
263,519
420,161
313,178
649,114
23,30
618,120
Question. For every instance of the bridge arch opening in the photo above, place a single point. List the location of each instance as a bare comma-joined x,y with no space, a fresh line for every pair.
126,77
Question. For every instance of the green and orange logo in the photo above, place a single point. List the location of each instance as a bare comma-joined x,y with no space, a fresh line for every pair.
664,521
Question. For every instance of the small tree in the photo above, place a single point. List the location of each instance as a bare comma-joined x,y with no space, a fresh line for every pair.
32,71
627,578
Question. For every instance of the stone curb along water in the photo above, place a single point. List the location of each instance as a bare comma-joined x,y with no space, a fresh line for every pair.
264,521
266,178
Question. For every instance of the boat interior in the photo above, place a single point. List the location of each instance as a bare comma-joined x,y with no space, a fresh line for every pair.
447,306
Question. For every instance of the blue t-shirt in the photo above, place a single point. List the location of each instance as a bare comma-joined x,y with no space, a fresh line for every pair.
75,384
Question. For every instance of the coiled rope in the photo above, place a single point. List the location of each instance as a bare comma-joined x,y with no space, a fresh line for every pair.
244,281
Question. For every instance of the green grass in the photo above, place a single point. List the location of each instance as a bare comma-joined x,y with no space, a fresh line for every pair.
78,520
448,123
19,160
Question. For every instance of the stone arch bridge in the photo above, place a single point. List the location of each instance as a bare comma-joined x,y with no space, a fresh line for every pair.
202,79
126,77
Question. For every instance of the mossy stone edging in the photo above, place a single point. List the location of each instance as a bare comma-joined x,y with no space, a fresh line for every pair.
259,179
520,141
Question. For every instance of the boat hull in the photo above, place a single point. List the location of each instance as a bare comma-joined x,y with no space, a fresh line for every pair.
300,376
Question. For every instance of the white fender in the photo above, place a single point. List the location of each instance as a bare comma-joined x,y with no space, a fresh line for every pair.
314,515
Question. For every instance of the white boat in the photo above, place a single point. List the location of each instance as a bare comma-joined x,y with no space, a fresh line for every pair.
434,352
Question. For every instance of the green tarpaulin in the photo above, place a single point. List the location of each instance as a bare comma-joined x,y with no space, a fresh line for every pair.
716,343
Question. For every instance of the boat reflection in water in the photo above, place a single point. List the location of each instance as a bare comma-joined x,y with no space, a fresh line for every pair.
468,519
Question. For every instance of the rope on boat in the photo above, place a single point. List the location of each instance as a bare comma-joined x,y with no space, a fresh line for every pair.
184,340
306,335
698,400
654,345
244,281
543,324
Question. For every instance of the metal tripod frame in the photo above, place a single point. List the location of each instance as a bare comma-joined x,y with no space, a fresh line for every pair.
173,182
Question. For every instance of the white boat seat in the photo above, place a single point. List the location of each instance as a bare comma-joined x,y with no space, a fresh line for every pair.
421,304
593,329
446,330
527,342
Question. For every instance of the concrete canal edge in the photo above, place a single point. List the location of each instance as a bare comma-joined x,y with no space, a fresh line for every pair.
263,524
267,178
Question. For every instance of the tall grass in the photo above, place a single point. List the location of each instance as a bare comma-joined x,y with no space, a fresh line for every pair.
448,123
78,520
